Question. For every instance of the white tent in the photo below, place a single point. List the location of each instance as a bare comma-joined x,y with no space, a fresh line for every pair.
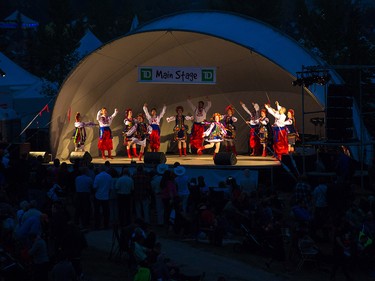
254,62
17,18
88,43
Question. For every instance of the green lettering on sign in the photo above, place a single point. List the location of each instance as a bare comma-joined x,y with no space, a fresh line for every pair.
146,74
207,75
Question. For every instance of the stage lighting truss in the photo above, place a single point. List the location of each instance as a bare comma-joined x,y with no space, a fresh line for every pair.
312,75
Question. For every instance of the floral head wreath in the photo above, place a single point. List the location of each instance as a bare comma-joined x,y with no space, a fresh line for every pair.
127,112
291,111
216,114
229,107
141,115
78,115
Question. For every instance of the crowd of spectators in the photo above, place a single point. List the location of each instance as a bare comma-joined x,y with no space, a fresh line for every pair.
45,210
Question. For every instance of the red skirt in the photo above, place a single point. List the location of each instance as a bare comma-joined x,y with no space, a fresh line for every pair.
254,142
196,140
280,145
105,143
154,140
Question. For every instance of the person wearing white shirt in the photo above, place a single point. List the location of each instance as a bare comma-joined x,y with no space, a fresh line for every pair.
200,115
154,122
124,187
280,135
105,133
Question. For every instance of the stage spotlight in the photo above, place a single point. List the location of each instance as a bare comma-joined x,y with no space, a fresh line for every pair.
2,73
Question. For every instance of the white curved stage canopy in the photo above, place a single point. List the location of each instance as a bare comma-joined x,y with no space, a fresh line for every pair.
254,62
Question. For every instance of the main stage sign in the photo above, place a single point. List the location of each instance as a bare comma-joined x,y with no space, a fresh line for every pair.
177,75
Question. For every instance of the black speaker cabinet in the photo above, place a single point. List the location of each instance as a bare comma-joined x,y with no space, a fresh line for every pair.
83,156
154,158
43,154
225,158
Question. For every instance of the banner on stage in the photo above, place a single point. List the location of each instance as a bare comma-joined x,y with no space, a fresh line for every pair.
177,75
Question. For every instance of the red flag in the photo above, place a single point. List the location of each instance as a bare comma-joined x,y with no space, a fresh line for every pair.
45,108
69,113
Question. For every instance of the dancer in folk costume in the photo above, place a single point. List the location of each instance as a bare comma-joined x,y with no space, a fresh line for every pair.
154,121
254,140
290,124
228,122
280,135
105,133
129,122
200,115
180,129
140,132
215,133
264,131
79,136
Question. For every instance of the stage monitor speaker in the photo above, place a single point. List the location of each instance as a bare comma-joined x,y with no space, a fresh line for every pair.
43,154
82,156
225,158
154,158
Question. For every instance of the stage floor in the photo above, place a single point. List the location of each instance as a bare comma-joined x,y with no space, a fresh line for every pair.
204,160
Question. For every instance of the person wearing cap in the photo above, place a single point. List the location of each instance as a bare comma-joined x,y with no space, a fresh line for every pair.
105,133
228,121
154,121
129,122
181,181
79,136
215,133
280,135
200,116
290,125
180,128
254,140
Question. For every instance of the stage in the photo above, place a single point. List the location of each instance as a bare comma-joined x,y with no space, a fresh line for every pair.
206,160
204,165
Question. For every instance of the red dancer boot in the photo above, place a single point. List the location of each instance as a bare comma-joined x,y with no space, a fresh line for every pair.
109,154
140,156
129,155
103,154
199,151
184,151
264,154
135,152
214,156
180,151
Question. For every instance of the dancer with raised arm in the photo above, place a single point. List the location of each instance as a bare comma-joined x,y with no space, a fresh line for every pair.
228,122
105,133
215,133
254,140
129,122
280,135
180,129
79,136
154,121
290,124
200,115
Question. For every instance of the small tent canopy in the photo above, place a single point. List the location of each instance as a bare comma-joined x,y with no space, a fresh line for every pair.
18,19
88,43
254,62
